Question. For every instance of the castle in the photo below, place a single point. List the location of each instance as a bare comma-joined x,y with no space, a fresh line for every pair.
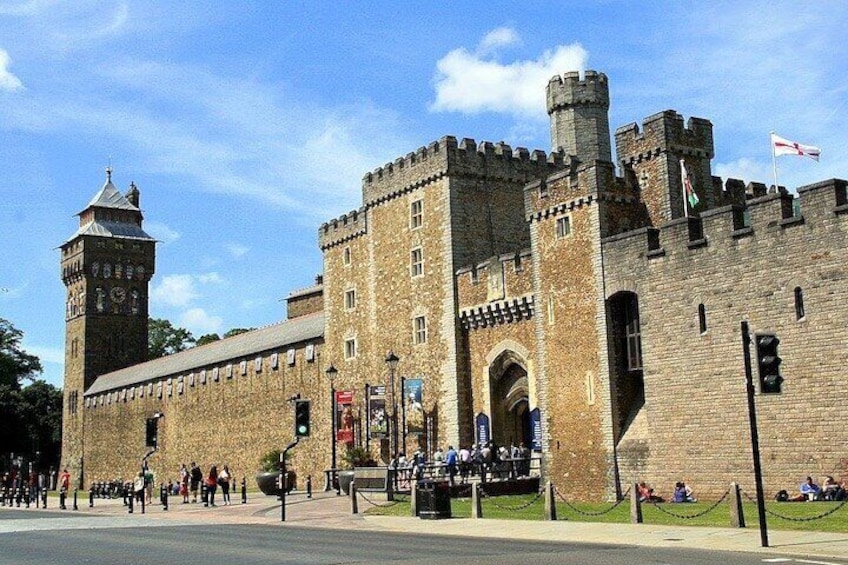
535,297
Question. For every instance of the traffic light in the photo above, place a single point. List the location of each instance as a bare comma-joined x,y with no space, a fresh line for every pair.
768,362
301,418
152,434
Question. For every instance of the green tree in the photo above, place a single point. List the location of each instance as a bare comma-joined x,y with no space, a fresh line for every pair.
16,365
164,339
208,338
41,412
237,331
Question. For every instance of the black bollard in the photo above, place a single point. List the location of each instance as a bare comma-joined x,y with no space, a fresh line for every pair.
244,490
26,498
164,490
204,495
44,498
131,500
75,500
62,496
308,486
91,497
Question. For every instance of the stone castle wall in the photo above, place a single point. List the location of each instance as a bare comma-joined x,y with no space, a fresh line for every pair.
695,405
227,414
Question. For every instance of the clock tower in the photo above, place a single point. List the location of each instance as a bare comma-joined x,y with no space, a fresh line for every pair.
106,268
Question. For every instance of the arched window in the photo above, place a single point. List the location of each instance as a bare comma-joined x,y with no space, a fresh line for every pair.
799,303
702,318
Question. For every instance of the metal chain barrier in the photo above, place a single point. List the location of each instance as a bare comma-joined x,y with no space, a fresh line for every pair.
592,513
793,519
712,507
464,493
388,504
516,508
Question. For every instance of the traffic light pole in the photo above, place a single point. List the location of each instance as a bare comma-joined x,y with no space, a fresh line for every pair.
283,478
755,438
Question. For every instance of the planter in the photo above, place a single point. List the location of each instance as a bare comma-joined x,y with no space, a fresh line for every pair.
268,482
345,478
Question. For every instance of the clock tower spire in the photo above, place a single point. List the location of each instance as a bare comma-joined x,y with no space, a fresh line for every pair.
106,267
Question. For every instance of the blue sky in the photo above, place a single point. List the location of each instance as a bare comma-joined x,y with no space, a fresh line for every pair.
247,124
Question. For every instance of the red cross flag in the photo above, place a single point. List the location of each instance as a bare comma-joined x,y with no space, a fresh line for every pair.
782,146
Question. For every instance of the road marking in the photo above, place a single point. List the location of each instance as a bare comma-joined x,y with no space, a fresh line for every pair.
777,560
818,562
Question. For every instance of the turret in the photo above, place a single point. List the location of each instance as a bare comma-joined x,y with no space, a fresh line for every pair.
579,115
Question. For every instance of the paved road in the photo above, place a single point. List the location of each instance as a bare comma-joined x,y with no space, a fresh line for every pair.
199,544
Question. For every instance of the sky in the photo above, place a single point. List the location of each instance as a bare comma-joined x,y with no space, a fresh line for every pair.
246,125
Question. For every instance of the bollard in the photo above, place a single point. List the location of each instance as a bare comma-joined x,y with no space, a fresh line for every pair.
62,496
19,497
635,504
737,514
204,495
354,508
550,502
44,499
244,490
413,498
390,489
91,497
131,500
75,500
308,486
164,494
26,498
476,505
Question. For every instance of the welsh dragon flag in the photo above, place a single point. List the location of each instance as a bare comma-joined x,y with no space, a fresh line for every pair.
688,191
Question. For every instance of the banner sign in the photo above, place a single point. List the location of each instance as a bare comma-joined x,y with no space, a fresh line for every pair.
481,423
378,422
536,428
344,416
412,389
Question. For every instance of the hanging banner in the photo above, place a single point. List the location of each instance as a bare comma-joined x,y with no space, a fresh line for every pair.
414,408
378,422
344,416
536,428
481,423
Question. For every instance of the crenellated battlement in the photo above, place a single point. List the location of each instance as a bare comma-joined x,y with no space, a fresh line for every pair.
568,90
344,228
451,157
767,219
499,279
664,132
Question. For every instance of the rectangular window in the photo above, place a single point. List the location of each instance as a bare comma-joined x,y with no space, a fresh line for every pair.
290,356
416,214
310,352
346,256
634,336
416,260
350,348
419,330
563,227
350,299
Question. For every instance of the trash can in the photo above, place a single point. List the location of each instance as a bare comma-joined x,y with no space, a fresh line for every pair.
433,500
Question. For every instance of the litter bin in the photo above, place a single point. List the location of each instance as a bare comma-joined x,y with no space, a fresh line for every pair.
433,500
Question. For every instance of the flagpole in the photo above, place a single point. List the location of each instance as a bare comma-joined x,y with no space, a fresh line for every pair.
773,160
683,188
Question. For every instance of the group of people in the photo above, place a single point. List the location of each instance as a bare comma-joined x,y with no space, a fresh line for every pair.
809,490
192,481
681,493
486,460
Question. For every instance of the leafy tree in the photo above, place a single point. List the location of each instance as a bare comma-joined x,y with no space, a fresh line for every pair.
164,339
208,338
41,412
237,331
16,365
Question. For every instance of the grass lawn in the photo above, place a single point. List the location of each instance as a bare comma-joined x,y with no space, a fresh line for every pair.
516,508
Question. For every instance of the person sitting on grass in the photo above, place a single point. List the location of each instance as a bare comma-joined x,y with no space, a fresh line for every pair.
646,494
682,493
808,491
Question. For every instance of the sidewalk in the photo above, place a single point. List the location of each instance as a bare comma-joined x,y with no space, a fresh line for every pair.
326,510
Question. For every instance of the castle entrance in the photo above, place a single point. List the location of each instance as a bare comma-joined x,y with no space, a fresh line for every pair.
510,409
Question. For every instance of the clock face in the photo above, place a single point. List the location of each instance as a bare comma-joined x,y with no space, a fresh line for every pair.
118,294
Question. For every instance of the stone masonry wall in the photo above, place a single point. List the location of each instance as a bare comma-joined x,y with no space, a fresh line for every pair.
695,402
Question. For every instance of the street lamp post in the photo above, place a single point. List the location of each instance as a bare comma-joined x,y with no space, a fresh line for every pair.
331,374
392,363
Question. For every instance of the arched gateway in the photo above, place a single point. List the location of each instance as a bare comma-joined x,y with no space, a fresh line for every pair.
509,399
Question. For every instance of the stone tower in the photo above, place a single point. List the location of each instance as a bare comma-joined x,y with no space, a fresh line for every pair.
579,110
106,268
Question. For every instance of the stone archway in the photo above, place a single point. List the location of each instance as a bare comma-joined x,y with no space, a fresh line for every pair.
509,400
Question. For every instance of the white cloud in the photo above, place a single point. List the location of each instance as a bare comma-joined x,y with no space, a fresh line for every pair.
236,249
471,83
500,37
745,169
175,290
198,322
46,354
161,232
211,277
8,81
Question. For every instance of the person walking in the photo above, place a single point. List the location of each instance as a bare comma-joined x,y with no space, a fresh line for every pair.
196,477
212,484
184,479
64,485
224,481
